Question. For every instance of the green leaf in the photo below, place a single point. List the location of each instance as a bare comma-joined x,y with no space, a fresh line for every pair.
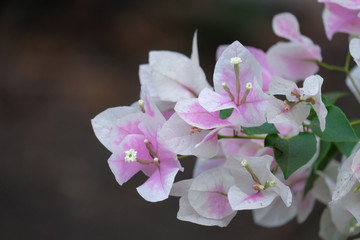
332,97
225,113
266,128
347,147
292,153
337,128
326,153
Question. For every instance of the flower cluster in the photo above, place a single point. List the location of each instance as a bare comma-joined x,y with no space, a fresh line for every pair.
262,142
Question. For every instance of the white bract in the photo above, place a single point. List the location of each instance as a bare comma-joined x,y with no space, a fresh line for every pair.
297,105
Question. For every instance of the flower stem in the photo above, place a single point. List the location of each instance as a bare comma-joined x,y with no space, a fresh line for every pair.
242,137
354,123
331,67
183,156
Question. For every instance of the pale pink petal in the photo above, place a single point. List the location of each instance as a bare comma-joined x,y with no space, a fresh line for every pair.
212,101
220,50
267,72
296,115
150,108
208,193
286,25
280,86
294,61
194,114
304,206
147,85
355,166
194,53
355,73
341,217
325,184
354,48
351,203
177,136
340,19
328,230
274,215
252,113
312,88
351,4
208,147
224,72
242,147
158,186
181,188
175,76
345,179
187,213
105,121
241,199
203,164
123,170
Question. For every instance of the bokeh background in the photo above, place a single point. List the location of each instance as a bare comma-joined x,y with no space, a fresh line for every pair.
63,63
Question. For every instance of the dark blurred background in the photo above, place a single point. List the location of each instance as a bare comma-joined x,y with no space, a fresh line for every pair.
63,63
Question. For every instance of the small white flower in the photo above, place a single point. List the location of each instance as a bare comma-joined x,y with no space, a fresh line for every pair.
130,155
235,60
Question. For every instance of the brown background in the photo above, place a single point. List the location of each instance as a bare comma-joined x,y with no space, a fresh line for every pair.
63,63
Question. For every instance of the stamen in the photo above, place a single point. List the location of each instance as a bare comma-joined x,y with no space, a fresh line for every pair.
130,155
142,105
236,61
247,91
269,183
286,105
311,100
258,187
248,168
156,160
147,144
192,130
226,88
294,93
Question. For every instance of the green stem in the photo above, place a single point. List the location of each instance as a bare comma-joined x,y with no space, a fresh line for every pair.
242,137
275,169
331,67
354,123
183,156
347,62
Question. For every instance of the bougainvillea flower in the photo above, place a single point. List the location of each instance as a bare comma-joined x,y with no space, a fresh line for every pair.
134,142
238,86
335,223
261,57
255,185
341,16
185,139
292,60
350,4
204,199
171,76
299,101
347,190
277,214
